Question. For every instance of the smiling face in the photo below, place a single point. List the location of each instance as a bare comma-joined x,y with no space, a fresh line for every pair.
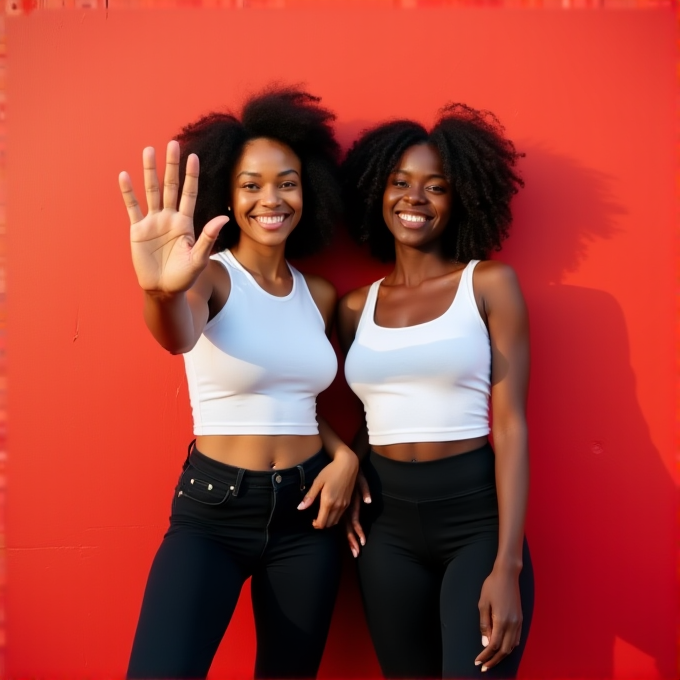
417,200
267,192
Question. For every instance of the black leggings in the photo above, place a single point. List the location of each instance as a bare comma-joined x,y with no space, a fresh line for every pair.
432,538
228,524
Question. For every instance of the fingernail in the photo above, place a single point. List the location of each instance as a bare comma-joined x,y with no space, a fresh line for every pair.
301,506
484,669
362,541
367,499
478,663
355,552
485,641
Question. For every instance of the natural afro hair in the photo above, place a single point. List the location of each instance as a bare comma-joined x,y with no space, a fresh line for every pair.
479,164
287,115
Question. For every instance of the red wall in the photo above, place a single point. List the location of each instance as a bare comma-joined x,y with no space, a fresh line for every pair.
99,417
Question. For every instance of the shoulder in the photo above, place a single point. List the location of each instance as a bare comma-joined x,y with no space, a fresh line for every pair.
354,301
491,273
498,290
321,290
350,308
324,295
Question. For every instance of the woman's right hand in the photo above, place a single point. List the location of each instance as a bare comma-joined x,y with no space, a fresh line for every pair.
165,253
353,528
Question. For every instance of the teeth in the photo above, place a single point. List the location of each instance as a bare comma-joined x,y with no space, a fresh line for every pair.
407,217
267,219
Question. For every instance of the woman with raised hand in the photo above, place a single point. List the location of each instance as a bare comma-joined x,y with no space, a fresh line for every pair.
444,568
258,491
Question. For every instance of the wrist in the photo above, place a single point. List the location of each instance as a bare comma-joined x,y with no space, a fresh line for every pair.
508,566
345,455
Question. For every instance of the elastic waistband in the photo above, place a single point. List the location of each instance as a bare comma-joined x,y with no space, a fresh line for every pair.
303,473
456,475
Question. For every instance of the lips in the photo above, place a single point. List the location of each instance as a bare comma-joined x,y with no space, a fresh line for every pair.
412,219
270,221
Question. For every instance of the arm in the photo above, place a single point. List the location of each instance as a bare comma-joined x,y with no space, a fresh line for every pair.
169,261
335,482
503,304
349,312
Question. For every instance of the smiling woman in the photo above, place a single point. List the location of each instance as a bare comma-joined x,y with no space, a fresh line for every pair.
264,482
428,348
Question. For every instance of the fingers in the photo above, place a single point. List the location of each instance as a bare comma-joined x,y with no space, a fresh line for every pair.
200,252
311,495
363,488
129,198
171,180
153,194
354,512
187,202
504,638
352,540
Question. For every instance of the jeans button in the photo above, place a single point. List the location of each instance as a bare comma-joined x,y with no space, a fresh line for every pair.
278,479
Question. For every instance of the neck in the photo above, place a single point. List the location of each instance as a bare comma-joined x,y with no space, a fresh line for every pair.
263,261
415,265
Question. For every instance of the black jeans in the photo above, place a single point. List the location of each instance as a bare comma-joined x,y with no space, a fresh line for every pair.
227,524
432,538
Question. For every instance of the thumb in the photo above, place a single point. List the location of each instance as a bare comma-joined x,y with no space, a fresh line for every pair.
310,495
200,253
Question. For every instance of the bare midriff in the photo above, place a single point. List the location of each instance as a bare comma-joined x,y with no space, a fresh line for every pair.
259,451
420,452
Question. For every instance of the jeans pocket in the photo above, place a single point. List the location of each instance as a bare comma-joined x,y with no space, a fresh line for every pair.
202,488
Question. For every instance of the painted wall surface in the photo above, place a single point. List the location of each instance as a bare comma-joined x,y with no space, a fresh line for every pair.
99,416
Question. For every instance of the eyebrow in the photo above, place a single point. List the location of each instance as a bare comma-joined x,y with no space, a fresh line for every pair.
257,174
406,172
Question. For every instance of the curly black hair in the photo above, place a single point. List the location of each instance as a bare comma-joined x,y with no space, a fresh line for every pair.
285,114
479,163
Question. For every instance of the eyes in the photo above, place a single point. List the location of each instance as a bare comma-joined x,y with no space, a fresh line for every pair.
432,188
253,186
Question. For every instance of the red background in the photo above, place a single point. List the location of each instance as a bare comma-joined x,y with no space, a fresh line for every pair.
99,417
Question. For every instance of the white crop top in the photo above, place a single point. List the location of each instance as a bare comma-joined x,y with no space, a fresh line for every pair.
261,361
425,383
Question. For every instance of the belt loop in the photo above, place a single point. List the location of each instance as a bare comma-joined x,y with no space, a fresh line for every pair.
302,477
190,450
237,484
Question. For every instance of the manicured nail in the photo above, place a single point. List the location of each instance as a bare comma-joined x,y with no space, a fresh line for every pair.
301,506
485,641
362,541
355,552
478,663
485,669
367,499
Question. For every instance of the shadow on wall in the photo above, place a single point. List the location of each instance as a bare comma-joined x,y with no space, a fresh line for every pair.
602,503
601,517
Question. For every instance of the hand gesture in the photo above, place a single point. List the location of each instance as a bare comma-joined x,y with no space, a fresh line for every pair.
165,253
334,484
500,618
353,528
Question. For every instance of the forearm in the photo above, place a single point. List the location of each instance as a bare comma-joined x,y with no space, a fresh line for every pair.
360,444
172,321
332,443
512,484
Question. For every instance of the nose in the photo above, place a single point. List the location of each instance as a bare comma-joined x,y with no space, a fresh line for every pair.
416,195
270,197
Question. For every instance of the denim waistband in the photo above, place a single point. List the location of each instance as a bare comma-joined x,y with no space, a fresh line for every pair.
443,478
301,474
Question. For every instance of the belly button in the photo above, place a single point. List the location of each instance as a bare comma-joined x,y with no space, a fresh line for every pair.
272,465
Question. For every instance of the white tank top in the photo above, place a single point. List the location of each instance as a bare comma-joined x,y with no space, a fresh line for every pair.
425,383
261,361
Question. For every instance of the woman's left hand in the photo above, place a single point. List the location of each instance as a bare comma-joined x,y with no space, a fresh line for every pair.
335,483
500,617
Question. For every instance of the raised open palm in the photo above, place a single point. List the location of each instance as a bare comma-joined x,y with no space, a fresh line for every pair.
165,253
